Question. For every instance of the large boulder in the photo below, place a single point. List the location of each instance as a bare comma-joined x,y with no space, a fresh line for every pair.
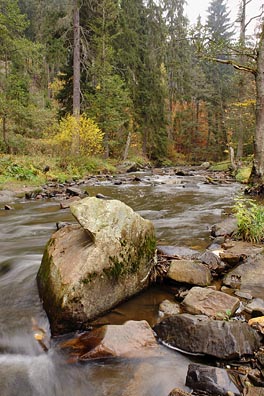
202,335
205,301
89,268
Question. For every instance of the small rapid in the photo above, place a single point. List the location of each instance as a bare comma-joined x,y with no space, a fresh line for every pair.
182,210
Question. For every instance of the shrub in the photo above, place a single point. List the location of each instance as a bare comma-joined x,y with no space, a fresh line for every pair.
85,130
250,220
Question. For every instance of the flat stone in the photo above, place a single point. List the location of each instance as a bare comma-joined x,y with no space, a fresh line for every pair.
213,380
205,301
190,271
254,391
168,308
74,191
245,295
256,305
199,334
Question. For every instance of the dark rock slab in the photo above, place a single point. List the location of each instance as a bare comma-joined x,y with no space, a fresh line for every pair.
213,380
74,191
212,261
202,335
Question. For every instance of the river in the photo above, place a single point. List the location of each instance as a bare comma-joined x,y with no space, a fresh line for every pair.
182,210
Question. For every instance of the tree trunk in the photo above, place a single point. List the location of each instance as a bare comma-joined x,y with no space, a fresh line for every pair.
257,173
76,75
241,91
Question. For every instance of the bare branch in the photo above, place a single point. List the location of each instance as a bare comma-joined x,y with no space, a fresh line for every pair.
234,64
254,17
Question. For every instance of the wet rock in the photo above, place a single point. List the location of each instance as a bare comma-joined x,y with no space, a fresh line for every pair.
89,268
189,271
61,224
74,191
204,301
250,275
213,380
131,339
244,295
102,196
8,207
213,262
179,392
226,227
202,335
238,251
67,203
168,308
257,305
133,167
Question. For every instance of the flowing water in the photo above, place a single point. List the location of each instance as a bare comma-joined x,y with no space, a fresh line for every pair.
182,210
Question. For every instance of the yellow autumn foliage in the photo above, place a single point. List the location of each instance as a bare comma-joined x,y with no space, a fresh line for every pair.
82,129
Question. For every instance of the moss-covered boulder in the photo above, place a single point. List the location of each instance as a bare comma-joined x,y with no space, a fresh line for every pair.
90,267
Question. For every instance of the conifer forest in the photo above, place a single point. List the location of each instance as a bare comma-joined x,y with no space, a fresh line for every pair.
119,79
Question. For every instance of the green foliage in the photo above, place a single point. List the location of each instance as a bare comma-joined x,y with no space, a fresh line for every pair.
250,220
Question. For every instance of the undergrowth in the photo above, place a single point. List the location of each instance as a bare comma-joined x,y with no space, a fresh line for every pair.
250,220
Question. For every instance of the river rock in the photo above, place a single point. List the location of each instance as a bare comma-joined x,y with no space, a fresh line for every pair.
237,251
209,302
213,380
254,391
74,191
67,203
87,269
202,335
250,275
189,271
168,308
257,305
225,227
128,340
179,392
213,262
